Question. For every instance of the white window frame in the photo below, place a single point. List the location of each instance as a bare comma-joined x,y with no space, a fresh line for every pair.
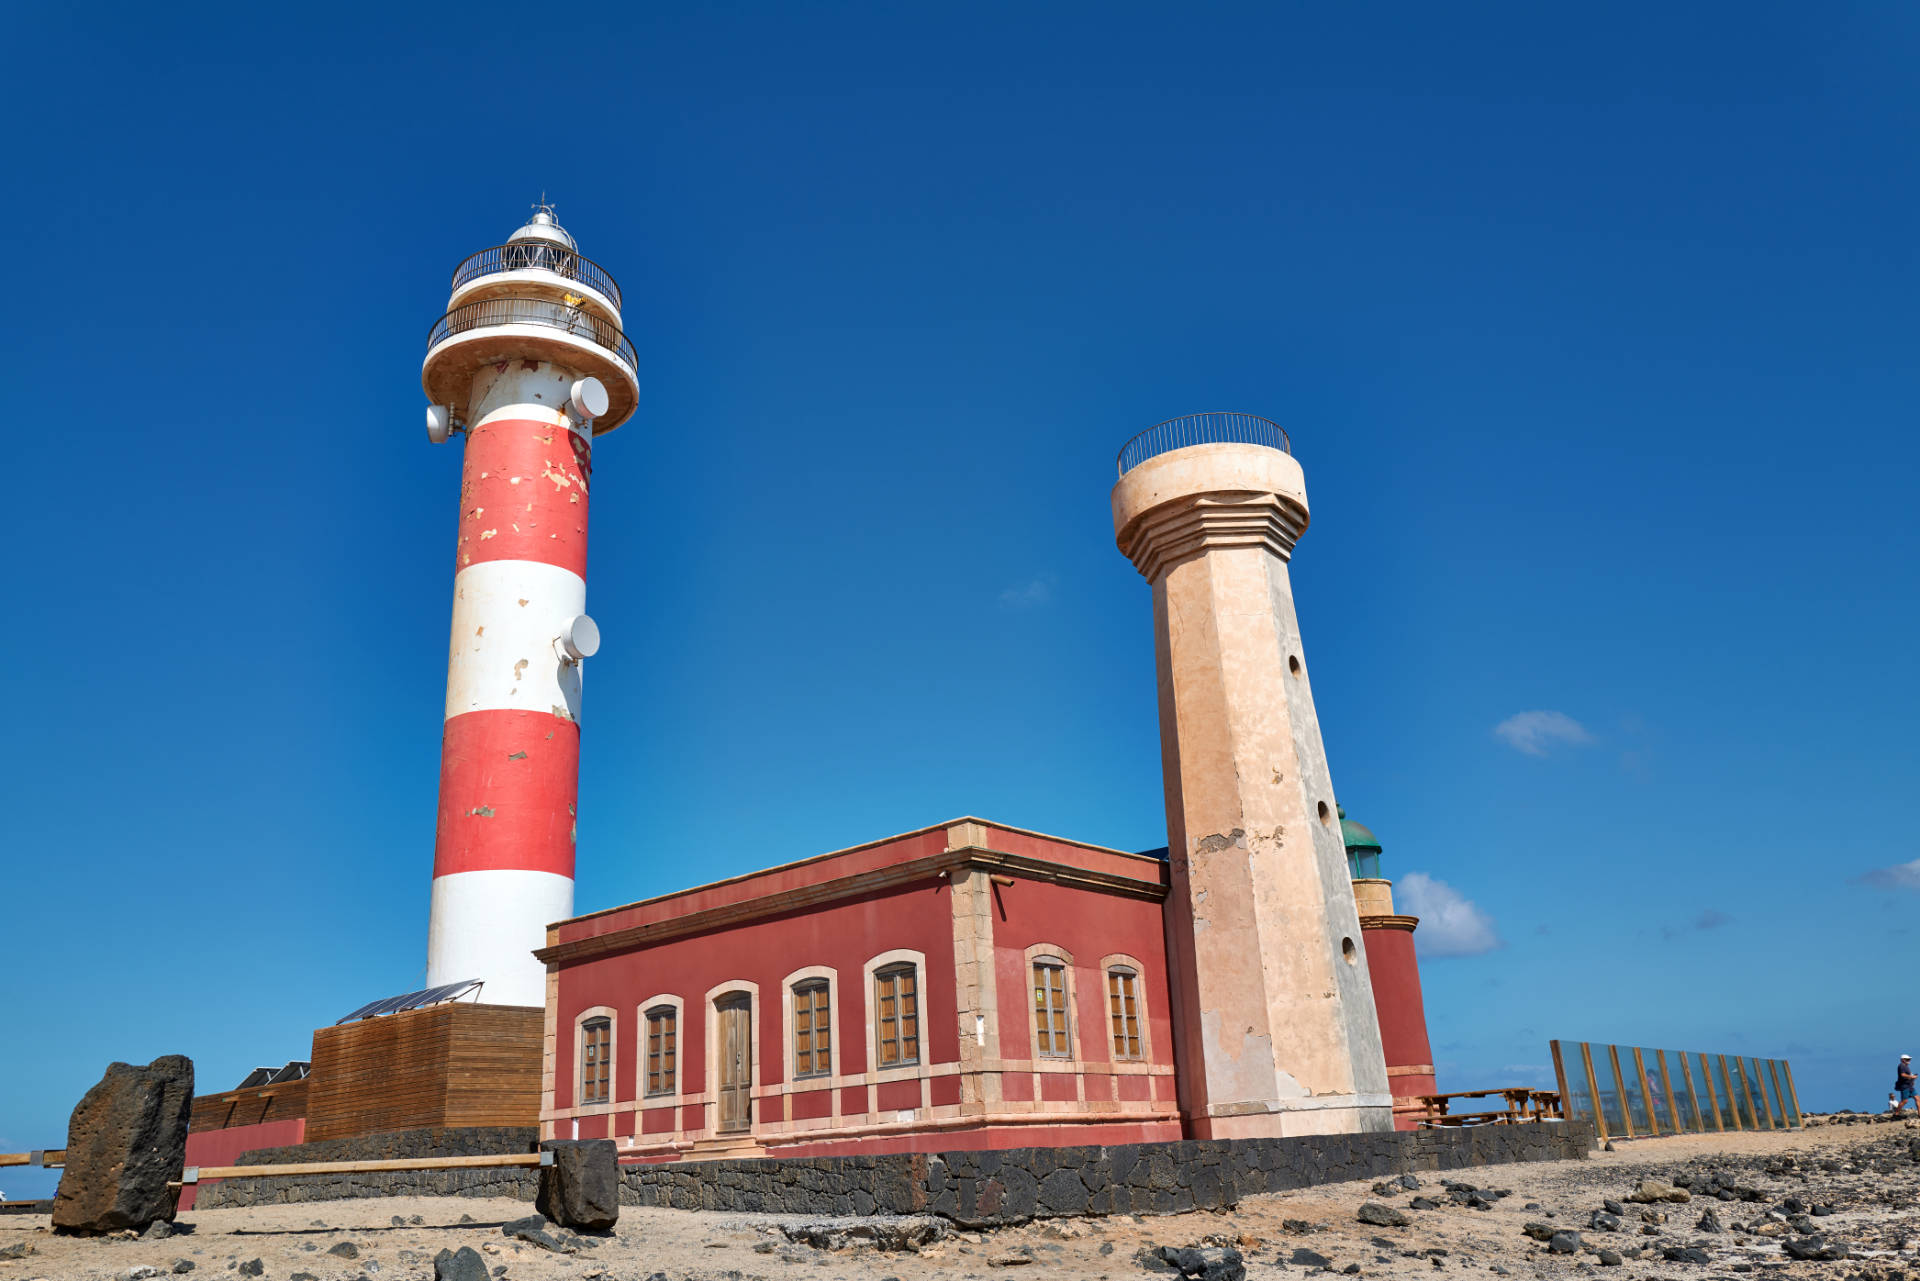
1052,952
612,1016
663,1099
868,973
836,1047
1122,961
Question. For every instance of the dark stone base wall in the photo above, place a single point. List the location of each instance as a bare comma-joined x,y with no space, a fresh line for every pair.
519,1184
975,1189
225,1194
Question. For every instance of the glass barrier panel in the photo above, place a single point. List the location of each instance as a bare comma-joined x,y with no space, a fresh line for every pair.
1742,1096
1770,1073
1787,1101
1674,1067
1706,1093
1612,1107
1636,1099
1655,1080
1763,1101
1730,1105
1576,1098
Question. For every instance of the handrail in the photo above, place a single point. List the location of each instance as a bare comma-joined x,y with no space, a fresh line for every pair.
1216,428
488,312
533,255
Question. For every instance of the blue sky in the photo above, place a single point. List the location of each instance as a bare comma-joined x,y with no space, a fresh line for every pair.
1594,332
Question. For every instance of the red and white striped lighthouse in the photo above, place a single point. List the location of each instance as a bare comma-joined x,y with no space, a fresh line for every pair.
529,363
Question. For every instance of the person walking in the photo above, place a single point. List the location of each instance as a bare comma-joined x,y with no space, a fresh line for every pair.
1903,1082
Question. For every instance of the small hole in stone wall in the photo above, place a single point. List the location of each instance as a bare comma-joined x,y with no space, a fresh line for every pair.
1326,815
1293,664
1348,950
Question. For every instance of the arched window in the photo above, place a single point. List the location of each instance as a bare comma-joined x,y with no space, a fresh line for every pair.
596,1060
1050,1025
812,1029
896,1015
1123,1011
663,1048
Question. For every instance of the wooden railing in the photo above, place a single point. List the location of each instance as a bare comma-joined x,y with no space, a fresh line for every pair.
38,1160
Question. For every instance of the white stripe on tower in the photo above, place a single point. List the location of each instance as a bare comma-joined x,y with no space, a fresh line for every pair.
510,756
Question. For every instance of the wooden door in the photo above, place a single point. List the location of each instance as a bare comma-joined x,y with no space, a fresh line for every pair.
735,1044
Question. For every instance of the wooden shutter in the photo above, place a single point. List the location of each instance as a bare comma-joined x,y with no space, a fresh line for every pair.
1123,1003
896,1012
812,1030
1050,1009
662,1048
596,1060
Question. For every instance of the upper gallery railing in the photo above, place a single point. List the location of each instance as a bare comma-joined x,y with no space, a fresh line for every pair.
531,255
1203,429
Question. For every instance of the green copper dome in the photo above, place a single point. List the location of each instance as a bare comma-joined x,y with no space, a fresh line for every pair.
1356,835
1363,848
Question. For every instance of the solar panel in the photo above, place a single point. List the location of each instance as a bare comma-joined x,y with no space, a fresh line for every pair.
412,1000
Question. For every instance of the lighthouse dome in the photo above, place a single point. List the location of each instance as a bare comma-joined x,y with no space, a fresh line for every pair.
543,226
1363,848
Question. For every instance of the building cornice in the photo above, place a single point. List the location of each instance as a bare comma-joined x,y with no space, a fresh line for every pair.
916,871
1389,923
949,826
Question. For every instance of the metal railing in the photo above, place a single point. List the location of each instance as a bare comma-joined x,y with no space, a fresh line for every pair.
532,311
537,256
1202,429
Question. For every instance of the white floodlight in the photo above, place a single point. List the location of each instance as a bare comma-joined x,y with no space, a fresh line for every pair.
439,423
589,398
579,639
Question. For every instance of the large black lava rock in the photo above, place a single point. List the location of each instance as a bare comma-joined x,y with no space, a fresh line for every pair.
581,1189
126,1141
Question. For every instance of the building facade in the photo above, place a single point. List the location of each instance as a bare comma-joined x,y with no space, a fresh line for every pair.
969,985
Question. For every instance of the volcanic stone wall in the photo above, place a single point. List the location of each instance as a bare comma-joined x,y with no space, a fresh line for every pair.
509,1181
970,1188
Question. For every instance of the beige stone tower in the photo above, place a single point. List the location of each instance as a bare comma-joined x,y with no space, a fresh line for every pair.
1274,1019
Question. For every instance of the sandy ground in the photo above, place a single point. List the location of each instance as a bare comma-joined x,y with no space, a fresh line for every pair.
1865,1177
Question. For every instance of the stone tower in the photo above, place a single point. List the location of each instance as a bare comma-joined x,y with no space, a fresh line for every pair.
1274,1022
1395,969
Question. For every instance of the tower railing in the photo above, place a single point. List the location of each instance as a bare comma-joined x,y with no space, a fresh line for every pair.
532,311
537,256
1218,428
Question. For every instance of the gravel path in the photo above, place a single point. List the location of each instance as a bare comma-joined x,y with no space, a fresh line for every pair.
1845,1196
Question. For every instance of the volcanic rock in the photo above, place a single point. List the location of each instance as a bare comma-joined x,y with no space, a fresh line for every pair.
1382,1216
126,1141
462,1265
581,1189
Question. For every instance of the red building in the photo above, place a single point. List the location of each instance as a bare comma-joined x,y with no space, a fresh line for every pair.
964,986
969,985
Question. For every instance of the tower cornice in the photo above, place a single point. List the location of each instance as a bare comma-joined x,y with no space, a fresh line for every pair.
1188,501
1164,536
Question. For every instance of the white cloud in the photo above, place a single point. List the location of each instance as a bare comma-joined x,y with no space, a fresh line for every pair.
1534,732
1037,591
1450,923
1901,876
